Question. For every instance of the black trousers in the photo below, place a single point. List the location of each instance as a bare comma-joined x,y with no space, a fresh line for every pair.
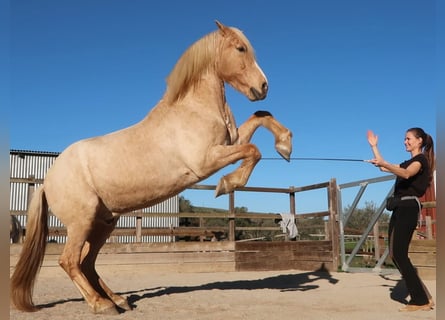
402,224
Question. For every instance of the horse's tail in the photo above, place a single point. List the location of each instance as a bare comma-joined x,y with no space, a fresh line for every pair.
33,251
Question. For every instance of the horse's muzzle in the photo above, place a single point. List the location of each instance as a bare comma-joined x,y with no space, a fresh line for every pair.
257,95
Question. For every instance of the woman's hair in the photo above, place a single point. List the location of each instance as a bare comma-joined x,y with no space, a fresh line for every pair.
427,147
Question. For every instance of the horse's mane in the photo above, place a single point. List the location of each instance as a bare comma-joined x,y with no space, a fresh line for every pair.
195,60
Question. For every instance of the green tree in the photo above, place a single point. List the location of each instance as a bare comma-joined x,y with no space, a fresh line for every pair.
241,209
185,205
361,217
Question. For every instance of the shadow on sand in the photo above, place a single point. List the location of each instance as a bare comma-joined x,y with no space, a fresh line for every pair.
283,282
398,292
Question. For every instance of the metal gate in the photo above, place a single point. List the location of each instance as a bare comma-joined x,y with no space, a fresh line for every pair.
344,217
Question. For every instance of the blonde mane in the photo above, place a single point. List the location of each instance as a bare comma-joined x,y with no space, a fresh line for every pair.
190,66
196,60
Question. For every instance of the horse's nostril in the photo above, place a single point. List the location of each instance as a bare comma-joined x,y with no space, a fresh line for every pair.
265,87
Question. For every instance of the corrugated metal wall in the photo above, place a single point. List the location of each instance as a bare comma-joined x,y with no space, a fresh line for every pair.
25,164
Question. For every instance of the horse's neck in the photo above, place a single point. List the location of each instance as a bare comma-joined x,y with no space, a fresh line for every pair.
209,90
212,87
209,87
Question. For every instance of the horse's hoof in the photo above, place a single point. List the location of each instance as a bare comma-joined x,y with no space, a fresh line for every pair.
106,309
124,305
120,302
222,187
284,146
284,151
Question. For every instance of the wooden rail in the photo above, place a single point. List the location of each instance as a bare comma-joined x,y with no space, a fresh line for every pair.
206,231
203,231
248,254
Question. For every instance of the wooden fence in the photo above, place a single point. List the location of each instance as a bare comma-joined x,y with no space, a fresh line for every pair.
219,249
209,254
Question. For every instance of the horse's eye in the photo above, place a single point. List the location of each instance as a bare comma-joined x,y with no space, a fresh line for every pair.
241,49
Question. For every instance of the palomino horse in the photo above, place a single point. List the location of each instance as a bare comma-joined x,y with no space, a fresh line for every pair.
188,136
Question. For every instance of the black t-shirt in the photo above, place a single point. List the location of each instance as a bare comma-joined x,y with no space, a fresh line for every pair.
416,185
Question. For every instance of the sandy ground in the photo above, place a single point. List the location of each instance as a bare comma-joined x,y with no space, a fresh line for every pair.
269,295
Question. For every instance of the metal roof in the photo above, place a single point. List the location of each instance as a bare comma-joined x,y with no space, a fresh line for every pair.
34,153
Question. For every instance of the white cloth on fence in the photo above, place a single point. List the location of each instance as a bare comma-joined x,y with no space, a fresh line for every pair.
288,225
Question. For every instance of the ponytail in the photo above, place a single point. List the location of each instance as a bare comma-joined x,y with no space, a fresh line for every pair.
427,148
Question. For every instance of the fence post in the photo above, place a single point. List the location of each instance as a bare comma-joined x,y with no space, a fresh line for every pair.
31,189
292,200
334,221
327,230
376,242
232,218
429,227
139,227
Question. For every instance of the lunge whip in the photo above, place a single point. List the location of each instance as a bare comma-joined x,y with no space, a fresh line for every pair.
319,159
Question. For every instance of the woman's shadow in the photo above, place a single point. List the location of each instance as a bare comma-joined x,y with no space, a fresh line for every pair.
398,292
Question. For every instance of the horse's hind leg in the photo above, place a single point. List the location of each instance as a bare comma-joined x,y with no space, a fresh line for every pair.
101,230
75,251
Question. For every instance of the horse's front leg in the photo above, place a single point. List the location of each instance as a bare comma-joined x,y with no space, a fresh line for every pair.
283,136
221,156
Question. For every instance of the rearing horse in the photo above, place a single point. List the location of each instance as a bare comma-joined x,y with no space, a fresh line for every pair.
189,135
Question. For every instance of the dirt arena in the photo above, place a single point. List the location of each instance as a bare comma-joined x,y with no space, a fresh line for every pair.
269,295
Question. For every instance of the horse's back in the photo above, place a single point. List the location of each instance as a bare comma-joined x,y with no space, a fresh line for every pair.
118,171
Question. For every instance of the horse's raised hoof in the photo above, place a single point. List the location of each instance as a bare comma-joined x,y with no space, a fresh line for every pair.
284,146
222,187
284,151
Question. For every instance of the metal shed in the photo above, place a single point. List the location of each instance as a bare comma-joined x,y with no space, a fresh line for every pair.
28,170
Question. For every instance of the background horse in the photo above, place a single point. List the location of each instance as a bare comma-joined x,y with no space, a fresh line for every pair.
15,230
189,135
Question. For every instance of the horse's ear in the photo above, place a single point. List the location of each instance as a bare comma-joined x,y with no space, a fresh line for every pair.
221,27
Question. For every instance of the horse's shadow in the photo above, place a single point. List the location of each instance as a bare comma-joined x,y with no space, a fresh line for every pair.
283,282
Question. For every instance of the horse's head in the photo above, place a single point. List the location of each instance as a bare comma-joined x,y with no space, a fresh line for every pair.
237,64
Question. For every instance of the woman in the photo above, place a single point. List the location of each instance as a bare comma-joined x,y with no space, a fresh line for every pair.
413,178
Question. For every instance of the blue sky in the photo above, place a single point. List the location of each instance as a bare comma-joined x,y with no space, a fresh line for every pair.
335,69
